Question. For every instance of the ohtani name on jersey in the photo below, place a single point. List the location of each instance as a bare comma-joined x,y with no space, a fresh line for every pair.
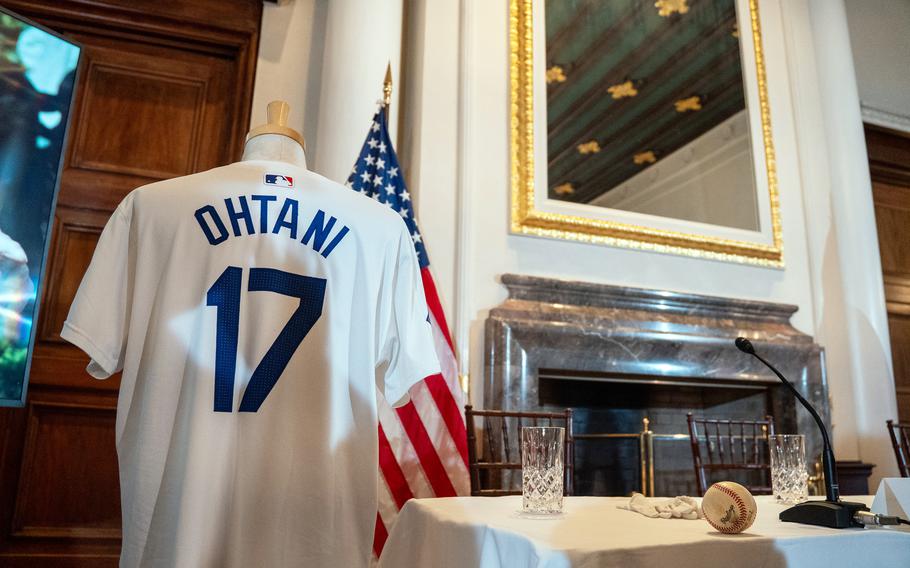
321,233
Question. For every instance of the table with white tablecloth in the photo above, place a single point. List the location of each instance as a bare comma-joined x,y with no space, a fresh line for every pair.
489,532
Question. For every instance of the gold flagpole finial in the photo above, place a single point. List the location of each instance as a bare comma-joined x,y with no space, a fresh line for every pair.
387,87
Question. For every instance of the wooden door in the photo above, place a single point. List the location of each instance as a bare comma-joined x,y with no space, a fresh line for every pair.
889,163
164,91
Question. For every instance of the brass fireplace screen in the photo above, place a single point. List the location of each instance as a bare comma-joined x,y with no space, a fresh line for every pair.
646,438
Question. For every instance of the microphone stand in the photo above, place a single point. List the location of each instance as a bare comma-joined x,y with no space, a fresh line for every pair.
832,512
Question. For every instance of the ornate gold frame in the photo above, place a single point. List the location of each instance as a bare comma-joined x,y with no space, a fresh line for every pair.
528,220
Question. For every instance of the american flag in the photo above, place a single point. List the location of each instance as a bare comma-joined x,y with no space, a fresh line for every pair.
423,449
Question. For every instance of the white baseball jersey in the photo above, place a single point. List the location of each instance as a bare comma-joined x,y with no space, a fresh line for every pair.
254,310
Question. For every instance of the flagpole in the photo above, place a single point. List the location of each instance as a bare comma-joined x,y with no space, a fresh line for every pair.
387,91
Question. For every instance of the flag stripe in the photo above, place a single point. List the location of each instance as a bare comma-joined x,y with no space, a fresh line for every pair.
388,510
445,400
404,452
450,413
448,366
387,515
426,453
438,433
398,486
429,289
380,535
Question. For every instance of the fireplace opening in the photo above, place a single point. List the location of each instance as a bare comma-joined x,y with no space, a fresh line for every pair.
609,411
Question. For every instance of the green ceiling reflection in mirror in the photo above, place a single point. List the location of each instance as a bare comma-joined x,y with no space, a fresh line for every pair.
627,86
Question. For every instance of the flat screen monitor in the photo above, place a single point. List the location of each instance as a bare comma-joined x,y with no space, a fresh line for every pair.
37,80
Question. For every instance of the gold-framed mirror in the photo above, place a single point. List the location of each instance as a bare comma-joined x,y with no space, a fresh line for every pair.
644,124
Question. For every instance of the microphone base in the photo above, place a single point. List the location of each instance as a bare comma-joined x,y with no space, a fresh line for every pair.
835,515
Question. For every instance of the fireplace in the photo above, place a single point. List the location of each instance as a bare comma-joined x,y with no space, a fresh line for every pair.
631,360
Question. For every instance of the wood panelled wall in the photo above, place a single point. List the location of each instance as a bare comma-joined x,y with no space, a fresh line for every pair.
165,90
889,164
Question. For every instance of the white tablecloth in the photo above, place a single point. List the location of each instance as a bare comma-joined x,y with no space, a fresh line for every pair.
465,532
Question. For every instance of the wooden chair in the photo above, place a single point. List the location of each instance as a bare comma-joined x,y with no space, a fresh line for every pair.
900,440
491,470
731,445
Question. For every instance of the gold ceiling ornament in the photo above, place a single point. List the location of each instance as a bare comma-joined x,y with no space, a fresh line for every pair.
591,147
564,189
691,103
667,8
623,90
646,157
528,219
555,74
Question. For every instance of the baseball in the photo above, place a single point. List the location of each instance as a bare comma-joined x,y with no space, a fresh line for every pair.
729,507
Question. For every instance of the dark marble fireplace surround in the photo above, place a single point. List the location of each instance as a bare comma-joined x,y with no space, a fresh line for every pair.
617,354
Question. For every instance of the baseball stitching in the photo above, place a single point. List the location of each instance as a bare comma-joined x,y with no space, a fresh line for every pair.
743,513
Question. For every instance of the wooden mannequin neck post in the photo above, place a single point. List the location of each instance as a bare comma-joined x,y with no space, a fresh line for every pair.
275,140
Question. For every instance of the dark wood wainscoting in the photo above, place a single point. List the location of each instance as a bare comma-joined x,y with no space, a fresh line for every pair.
889,163
165,90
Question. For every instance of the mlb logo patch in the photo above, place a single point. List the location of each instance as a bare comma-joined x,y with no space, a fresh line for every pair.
279,180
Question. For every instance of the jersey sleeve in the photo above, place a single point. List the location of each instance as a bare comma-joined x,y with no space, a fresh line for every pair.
99,316
408,353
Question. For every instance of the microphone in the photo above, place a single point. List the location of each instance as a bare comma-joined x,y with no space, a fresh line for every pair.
832,512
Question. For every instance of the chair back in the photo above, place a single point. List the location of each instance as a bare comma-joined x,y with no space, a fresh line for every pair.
731,445
900,440
494,464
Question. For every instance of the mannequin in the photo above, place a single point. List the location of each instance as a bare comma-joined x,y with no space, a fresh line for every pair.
275,141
